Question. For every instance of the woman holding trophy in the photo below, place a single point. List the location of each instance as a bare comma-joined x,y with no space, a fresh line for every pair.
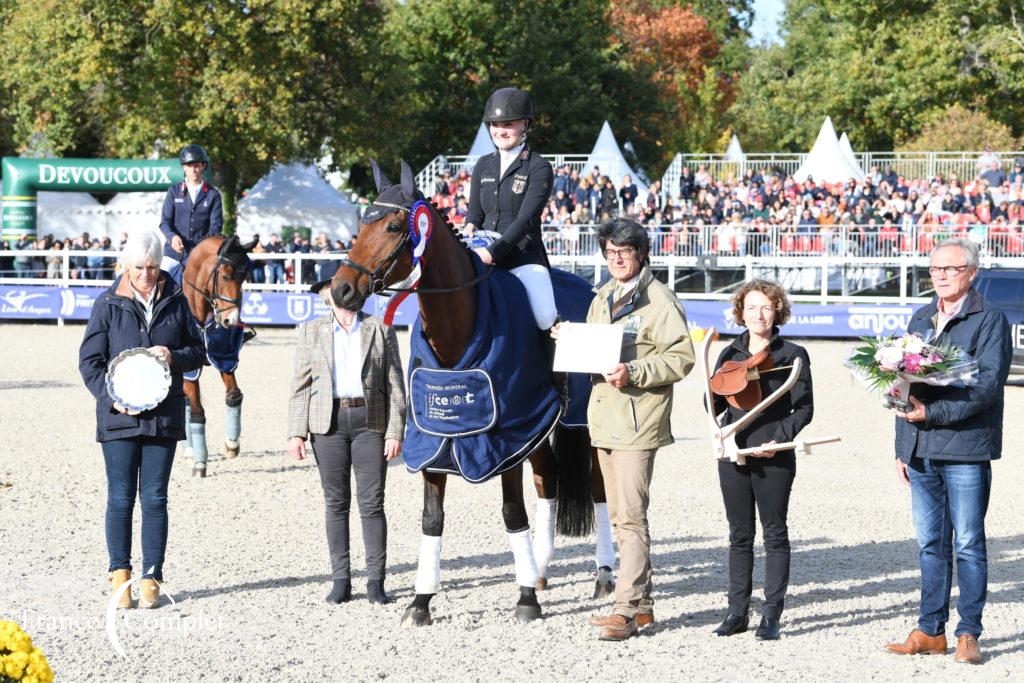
765,479
140,338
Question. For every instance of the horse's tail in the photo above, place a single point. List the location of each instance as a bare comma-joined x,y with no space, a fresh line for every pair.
572,474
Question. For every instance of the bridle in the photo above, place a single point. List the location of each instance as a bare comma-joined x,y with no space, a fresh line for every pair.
212,282
383,271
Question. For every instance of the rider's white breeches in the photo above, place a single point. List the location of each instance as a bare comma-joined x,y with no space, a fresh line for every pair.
537,280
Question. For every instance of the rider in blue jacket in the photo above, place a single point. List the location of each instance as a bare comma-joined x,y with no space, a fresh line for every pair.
192,211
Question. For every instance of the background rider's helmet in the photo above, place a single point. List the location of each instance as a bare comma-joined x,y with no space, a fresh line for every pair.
193,154
508,104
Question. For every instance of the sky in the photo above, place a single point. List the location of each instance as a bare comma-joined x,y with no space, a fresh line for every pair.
767,15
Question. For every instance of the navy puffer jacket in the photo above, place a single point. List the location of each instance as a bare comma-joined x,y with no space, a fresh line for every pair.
964,424
117,323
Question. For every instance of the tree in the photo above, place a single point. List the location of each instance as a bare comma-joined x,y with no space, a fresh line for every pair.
958,128
879,68
454,53
254,82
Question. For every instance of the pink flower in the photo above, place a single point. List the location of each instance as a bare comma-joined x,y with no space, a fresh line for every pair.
912,363
935,358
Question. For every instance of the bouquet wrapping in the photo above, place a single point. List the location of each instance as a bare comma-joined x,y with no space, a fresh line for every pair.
892,364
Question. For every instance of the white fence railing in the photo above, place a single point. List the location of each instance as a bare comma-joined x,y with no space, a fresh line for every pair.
676,250
907,164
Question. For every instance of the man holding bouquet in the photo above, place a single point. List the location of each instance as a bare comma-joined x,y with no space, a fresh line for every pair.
944,447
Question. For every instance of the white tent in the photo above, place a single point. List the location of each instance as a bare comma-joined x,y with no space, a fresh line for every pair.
607,155
482,144
295,195
69,214
826,161
844,144
131,211
735,152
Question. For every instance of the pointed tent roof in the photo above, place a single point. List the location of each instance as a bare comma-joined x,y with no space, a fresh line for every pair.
607,155
844,145
482,144
296,195
826,161
735,152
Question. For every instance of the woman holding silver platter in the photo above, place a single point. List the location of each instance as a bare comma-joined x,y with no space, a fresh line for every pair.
140,339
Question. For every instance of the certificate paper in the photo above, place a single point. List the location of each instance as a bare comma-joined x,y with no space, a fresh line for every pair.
582,347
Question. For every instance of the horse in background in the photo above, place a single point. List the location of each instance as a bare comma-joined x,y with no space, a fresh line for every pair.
212,283
564,467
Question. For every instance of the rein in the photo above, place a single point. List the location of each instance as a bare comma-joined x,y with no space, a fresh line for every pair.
378,276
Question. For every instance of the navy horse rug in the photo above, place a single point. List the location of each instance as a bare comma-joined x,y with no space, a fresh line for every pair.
492,409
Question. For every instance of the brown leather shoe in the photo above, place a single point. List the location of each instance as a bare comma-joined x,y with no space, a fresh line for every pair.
618,628
642,619
919,643
149,594
967,650
118,578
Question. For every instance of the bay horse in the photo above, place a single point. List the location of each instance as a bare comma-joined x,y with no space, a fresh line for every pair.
212,282
564,469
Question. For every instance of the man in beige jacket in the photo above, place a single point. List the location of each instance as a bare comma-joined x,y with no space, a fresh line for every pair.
630,409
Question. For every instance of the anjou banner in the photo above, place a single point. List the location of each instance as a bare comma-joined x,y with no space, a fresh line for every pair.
23,178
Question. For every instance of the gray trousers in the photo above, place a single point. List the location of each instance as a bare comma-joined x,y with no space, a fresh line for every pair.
349,446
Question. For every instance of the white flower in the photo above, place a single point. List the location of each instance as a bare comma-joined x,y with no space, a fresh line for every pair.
889,357
912,343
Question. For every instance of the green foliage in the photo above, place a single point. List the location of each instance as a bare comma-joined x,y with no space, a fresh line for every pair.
454,53
253,82
882,70
956,128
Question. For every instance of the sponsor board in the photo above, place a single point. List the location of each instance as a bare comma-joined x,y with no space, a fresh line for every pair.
44,302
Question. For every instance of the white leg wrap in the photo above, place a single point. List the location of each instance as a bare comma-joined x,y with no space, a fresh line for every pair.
428,574
544,534
197,440
605,546
526,567
537,280
233,424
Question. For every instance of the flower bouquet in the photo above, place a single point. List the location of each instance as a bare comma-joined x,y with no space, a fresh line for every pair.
891,364
19,659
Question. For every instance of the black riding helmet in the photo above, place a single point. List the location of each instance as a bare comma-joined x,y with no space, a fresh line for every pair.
193,154
508,104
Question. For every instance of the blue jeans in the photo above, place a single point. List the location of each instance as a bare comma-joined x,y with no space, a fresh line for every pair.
140,465
949,500
275,272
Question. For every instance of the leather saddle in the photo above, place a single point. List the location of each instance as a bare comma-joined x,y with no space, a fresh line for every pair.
738,380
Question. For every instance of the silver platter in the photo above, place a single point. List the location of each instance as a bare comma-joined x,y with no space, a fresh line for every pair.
138,379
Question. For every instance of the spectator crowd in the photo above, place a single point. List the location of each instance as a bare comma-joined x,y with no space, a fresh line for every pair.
767,212
764,213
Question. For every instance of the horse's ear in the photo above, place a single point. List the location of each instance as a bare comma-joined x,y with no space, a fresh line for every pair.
379,179
251,245
408,181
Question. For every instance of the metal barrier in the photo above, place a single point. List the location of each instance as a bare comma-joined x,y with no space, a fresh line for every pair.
907,164
837,263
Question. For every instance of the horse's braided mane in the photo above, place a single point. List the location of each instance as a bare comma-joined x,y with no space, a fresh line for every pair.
450,226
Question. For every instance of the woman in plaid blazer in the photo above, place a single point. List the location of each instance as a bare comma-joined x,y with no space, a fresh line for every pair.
348,395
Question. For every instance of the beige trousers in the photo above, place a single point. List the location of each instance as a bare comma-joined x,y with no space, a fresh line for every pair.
627,483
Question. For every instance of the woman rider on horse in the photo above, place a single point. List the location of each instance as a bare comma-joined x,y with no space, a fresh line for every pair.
509,189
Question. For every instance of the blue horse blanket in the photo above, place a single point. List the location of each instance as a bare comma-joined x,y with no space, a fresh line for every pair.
496,405
573,295
223,346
